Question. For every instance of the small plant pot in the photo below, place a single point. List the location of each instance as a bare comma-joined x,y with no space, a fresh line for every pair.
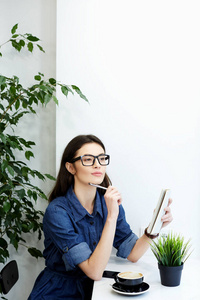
170,276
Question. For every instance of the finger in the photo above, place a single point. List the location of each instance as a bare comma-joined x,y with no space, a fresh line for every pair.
111,189
170,201
167,218
119,201
167,209
112,192
167,222
117,197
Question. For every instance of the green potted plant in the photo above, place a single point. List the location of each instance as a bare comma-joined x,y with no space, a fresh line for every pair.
171,253
18,194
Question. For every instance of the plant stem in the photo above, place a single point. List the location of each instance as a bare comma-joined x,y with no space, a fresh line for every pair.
23,245
4,43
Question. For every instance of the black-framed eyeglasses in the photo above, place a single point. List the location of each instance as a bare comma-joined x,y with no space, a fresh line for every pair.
89,159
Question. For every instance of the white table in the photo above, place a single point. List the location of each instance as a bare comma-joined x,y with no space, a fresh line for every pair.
189,288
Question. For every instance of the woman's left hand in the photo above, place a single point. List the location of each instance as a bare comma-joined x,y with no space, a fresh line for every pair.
167,218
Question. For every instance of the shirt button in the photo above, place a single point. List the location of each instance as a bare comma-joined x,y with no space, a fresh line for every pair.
91,223
94,243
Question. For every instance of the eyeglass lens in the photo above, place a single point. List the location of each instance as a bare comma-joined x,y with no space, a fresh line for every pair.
89,160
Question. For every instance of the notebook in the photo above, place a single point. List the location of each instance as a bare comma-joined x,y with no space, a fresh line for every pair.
156,223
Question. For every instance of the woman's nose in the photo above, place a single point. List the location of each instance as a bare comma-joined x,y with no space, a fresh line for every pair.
96,163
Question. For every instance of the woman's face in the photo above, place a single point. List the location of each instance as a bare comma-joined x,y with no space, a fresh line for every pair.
88,174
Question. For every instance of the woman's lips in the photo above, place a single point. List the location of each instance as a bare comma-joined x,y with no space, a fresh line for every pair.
97,174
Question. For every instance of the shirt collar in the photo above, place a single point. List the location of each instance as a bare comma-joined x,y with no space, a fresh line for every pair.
78,210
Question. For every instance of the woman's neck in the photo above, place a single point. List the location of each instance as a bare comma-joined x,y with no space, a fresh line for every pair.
86,196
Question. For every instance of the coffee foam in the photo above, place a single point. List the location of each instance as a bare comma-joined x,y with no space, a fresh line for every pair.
129,275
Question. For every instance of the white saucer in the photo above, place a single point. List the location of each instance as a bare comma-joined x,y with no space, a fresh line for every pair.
118,288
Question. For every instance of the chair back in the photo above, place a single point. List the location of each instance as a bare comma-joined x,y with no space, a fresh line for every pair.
9,276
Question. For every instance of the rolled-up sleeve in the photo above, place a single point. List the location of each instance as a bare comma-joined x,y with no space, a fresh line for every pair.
125,248
76,255
125,239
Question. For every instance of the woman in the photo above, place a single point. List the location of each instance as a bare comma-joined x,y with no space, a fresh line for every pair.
82,223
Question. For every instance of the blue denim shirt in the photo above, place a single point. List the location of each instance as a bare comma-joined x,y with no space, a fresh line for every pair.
72,234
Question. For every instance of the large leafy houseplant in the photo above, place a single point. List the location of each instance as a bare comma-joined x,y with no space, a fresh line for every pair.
171,252
18,194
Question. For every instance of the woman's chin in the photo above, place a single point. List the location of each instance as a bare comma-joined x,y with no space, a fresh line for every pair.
96,181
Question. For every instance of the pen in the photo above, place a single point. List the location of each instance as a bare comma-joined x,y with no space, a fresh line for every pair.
98,186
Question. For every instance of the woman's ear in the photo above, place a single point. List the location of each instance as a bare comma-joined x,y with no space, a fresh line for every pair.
70,168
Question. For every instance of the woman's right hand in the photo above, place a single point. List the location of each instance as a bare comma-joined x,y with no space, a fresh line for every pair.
113,200
94,266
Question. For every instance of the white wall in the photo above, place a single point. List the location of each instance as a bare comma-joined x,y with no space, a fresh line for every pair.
138,63
39,18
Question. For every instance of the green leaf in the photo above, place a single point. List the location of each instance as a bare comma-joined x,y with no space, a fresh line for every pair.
24,103
16,79
16,45
13,30
15,36
42,87
78,91
22,43
10,170
3,243
39,175
64,90
40,47
29,193
12,90
17,104
2,79
43,196
14,239
37,77
50,177
27,144
5,189
32,38
35,252
3,138
32,110
55,100
35,196
41,74
6,206
3,256
47,99
52,81
21,193
4,165
29,154
30,46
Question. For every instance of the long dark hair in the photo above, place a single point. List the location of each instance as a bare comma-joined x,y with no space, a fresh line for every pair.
65,179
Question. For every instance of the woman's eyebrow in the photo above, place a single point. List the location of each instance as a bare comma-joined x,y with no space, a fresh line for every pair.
93,154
